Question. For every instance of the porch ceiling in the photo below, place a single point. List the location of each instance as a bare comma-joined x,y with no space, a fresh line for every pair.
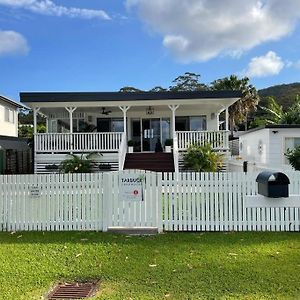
204,105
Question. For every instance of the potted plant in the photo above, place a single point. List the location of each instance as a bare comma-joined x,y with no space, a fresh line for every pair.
168,145
130,144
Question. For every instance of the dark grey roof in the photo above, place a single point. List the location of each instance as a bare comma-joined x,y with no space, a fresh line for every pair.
11,102
121,96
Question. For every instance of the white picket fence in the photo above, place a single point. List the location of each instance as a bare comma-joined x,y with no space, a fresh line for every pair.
51,202
171,202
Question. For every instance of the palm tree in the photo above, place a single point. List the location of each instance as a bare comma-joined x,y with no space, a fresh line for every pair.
250,98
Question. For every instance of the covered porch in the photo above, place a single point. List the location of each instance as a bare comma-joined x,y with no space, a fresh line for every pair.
106,126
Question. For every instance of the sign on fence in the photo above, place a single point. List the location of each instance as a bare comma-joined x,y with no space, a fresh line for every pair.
131,187
35,191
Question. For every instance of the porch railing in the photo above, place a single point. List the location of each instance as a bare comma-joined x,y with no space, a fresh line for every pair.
78,142
218,139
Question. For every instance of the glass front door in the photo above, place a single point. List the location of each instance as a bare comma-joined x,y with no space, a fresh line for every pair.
146,133
151,133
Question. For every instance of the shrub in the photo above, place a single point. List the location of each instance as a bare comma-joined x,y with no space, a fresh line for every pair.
131,143
202,158
169,142
293,157
78,164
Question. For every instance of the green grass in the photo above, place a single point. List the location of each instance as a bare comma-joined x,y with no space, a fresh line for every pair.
168,266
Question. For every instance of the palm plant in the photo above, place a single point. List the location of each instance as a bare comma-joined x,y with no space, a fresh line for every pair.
78,164
202,158
250,98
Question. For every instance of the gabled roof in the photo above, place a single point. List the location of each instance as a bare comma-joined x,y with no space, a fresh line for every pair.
122,96
11,102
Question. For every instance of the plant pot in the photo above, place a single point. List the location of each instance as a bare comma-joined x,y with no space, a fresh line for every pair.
130,149
168,149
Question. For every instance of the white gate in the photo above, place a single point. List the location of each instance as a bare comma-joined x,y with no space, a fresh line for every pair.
123,208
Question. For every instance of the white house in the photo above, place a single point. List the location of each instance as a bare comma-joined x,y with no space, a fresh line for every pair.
9,117
94,122
266,146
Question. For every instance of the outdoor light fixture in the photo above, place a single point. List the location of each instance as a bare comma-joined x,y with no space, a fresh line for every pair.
150,110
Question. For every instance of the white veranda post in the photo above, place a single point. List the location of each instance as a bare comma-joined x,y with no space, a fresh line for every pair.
226,119
124,110
35,111
71,110
173,109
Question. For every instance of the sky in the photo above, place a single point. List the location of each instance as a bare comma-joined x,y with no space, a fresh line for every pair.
103,45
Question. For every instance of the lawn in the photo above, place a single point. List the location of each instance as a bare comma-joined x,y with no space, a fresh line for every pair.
168,266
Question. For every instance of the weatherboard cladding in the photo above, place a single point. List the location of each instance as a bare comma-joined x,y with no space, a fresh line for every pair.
121,96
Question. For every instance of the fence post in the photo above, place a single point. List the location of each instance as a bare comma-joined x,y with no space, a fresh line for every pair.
105,201
159,202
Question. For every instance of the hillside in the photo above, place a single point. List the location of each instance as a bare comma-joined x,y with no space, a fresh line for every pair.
284,93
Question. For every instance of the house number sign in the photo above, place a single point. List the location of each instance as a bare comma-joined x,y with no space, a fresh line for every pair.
35,191
131,187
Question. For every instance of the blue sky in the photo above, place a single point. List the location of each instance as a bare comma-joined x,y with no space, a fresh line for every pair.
103,45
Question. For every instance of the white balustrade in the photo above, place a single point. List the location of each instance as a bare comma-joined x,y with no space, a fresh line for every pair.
78,142
218,139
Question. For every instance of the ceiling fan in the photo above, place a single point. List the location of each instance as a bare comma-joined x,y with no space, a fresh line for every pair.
105,112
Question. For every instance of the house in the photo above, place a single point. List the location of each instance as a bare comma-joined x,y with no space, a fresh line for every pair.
14,152
9,117
105,121
265,146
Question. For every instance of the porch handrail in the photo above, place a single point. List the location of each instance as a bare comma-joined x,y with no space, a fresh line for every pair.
78,142
218,139
122,151
175,154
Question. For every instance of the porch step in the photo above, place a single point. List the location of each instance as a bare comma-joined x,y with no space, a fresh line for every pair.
134,230
157,162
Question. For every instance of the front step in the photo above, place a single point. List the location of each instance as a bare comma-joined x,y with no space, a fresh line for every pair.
134,230
157,162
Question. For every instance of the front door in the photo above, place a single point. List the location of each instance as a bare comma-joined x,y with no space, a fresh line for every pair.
151,134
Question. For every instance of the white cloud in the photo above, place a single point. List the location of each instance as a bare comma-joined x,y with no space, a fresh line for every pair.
12,42
198,30
297,64
266,65
48,7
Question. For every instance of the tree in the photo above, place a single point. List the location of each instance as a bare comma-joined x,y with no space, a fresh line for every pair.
293,157
187,82
292,115
158,89
130,89
272,113
250,98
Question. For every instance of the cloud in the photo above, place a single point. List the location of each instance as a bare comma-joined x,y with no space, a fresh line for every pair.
297,64
48,7
199,30
12,43
266,65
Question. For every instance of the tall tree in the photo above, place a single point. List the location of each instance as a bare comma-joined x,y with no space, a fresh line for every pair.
292,115
187,82
158,89
130,89
250,98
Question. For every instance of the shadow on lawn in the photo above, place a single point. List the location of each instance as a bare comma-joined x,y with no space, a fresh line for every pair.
209,238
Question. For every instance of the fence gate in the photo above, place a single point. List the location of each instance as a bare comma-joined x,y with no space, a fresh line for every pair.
131,200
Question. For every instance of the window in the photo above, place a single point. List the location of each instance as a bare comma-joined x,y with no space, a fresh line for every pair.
9,115
194,123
